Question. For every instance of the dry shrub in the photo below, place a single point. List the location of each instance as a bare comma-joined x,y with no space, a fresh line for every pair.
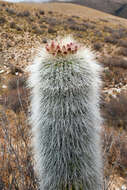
51,30
38,31
122,43
115,151
114,76
51,21
98,33
107,76
115,34
111,39
97,46
114,61
77,27
41,12
2,20
114,154
23,14
89,25
16,167
16,96
115,111
17,82
10,11
107,29
122,51
16,100
119,33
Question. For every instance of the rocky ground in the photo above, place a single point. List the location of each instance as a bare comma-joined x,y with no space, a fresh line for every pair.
26,27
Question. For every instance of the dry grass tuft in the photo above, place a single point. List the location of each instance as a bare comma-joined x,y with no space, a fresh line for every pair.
122,43
15,164
16,96
122,51
115,111
17,82
114,154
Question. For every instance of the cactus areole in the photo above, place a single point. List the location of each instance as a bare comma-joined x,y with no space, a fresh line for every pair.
65,117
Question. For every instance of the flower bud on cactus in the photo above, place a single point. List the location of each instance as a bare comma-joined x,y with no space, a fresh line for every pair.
65,117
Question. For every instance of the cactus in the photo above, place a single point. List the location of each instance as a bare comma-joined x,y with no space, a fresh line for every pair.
65,116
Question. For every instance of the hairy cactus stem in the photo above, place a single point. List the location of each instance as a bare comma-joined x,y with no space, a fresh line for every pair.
65,117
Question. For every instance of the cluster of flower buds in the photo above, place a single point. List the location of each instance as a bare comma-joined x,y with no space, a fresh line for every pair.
60,50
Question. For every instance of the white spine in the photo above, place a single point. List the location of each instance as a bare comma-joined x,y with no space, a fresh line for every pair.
66,120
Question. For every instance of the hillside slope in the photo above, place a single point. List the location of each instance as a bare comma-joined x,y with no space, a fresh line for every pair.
115,7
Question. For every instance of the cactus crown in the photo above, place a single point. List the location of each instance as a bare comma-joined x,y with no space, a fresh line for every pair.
57,49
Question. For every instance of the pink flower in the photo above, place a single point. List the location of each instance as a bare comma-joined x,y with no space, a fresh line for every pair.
57,49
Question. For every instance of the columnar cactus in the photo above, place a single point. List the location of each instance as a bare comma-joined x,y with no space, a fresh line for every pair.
65,117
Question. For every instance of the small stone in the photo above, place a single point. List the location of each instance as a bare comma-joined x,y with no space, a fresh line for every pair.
124,187
106,69
2,71
8,72
16,73
10,44
4,86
